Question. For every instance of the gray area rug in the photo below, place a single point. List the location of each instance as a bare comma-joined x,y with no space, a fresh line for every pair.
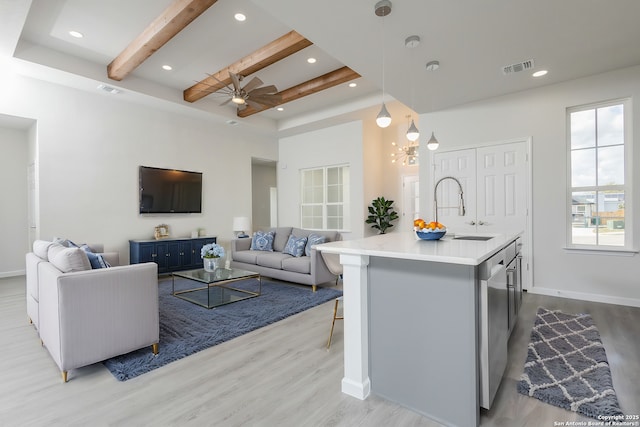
567,366
186,328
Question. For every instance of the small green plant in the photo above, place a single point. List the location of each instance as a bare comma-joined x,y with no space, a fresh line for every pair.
381,214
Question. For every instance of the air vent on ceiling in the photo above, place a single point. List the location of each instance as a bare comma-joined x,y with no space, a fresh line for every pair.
108,89
516,68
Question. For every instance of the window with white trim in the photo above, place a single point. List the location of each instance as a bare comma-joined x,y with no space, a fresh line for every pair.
325,198
599,175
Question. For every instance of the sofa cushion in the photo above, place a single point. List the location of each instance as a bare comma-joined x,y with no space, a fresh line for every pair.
331,235
262,241
282,237
297,265
313,239
248,257
41,248
272,259
295,246
68,260
96,260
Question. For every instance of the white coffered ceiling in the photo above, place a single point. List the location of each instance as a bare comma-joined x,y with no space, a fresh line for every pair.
472,40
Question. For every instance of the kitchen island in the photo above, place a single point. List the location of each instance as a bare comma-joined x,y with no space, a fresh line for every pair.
412,320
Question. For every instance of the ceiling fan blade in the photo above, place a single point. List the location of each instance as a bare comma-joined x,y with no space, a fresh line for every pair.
255,105
270,100
254,83
266,90
226,102
235,80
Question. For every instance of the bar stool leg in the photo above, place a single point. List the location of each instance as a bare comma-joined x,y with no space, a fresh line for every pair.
333,322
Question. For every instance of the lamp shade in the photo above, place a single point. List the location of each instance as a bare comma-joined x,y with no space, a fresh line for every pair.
384,118
241,223
412,133
433,143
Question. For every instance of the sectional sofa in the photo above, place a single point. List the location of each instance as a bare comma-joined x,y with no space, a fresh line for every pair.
273,260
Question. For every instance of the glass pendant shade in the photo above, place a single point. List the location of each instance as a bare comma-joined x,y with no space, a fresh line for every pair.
433,143
412,133
384,118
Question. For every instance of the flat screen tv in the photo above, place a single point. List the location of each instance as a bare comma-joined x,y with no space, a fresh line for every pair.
170,191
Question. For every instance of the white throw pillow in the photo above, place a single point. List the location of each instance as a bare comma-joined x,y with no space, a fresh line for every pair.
68,260
41,248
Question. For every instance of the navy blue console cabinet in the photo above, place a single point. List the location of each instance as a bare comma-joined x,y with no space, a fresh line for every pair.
169,254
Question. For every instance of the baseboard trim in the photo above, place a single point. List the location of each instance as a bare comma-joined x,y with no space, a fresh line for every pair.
607,299
4,274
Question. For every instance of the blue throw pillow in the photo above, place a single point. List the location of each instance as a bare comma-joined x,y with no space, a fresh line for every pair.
313,239
262,241
96,260
295,246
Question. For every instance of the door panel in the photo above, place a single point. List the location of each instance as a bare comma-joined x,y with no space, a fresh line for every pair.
460,164
502,174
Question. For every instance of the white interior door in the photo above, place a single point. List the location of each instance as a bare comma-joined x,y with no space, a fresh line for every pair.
460,164
410,201
502,188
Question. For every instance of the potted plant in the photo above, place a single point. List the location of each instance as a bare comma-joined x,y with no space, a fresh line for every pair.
381,214
210,254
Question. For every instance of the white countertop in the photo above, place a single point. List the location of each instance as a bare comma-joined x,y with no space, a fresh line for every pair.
405,245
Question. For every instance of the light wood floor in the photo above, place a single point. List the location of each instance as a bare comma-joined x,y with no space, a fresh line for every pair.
280,375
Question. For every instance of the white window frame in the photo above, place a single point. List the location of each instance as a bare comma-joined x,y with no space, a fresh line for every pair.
628,248
345,197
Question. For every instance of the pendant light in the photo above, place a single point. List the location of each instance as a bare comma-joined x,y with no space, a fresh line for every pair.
412,133
383,8
433,143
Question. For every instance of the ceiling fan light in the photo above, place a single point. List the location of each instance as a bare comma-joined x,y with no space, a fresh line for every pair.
433,143
384,118
413,133
237,100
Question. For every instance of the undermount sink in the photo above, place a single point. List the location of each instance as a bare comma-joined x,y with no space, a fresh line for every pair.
482,238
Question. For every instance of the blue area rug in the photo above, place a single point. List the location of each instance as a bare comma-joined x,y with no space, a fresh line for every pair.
567,366
186,328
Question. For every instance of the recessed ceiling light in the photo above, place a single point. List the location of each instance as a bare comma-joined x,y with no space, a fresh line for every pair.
311,60
280,109
76,34
353,84
167,67
540,73
240,17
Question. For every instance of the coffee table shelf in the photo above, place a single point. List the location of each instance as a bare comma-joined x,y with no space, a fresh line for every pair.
212,289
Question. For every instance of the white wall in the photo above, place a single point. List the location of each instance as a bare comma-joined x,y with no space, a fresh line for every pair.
13,196
89,147
541,114
335,145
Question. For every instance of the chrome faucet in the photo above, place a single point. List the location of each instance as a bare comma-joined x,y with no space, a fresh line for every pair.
461,210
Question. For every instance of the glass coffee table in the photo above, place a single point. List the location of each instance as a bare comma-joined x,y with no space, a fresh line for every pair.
212,289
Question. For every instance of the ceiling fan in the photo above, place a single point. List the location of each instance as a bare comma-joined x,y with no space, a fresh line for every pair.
251,94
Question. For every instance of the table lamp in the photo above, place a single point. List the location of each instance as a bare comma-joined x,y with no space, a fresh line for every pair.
240,225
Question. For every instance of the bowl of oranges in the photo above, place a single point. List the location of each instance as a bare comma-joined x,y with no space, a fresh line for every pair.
429,230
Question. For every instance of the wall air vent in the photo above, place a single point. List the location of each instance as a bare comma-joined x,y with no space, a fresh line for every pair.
516,68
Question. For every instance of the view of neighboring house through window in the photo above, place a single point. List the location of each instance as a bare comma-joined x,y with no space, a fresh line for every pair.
597,173
325,198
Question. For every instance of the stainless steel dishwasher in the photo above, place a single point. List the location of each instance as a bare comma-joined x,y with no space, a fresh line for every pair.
493,326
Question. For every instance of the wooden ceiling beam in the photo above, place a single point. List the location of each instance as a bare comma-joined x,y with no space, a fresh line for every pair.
326,81
173,19
273,52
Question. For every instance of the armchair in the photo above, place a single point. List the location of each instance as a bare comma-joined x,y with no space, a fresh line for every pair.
89,316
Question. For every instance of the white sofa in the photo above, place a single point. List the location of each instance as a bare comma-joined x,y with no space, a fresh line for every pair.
85,316
307,270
